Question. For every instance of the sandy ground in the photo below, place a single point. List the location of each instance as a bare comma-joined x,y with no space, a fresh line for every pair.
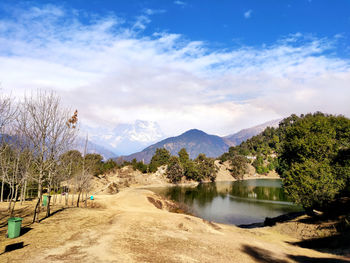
127,227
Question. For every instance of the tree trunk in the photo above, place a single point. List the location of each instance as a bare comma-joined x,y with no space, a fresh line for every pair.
2,188
66,196
8,196
40,193
37,207
36,213
11,198
21,196
16,193
78,198
48,197
86,197
72,199
54,195
48,206
73,192
14,203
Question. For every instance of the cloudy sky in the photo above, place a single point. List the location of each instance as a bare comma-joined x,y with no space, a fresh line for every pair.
219,66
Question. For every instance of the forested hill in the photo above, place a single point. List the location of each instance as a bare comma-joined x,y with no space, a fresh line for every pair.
263,148
268,148
195,142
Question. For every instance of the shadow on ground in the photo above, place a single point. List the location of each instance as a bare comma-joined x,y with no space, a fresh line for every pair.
266,256
337,244
25,230
13,247
271,221
53,213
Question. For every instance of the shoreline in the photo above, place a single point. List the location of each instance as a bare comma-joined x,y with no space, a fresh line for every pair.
268,221
131,227
194,184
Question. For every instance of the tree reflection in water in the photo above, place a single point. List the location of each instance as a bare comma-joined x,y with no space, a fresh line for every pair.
233,202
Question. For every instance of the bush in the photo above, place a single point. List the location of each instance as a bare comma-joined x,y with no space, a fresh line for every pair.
160,157
140,166
262,170
205,167
313,161
238,166
174,170
108,166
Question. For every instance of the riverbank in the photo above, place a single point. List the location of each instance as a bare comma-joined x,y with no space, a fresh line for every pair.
136,226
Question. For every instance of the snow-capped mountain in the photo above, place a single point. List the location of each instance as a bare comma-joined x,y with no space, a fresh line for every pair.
126,138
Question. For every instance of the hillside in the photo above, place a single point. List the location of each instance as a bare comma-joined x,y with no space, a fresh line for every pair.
93,148
245,134
79,145
195,142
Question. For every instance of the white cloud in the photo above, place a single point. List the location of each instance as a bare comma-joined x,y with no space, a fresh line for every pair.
248,14
141,22
149,11
181,3
113,75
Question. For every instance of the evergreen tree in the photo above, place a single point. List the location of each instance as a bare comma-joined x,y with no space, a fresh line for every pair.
238,166
205,167
174,170
314,159
160,157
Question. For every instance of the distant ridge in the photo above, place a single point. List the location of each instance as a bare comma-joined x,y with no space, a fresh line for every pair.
93,148
196,142
79,145
245,134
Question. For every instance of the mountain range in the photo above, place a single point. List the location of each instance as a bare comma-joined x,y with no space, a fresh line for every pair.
125,138
245,134
142,133
196,142
92,148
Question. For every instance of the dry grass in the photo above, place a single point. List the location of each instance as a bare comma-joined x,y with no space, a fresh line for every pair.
130,227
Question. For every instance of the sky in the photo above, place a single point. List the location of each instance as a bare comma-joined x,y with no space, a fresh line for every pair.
218,66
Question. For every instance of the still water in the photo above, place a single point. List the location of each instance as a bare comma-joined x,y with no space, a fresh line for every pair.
240,202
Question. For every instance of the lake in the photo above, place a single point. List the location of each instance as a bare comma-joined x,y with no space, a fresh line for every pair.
240,202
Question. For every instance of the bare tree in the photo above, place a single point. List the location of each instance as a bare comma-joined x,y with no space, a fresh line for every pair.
21,160
83,180
43,122
7,115
69,167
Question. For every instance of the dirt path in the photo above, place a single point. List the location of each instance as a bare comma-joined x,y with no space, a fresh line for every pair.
129,228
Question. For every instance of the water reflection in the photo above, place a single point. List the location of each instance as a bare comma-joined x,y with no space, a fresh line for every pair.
240,202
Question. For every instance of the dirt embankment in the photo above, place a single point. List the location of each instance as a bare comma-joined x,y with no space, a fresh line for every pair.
136,226
127,177
224,173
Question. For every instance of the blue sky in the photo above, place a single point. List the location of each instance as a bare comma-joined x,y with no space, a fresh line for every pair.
224,23
219,66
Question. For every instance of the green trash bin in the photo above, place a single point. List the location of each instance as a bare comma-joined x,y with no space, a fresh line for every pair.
14,227
44,200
